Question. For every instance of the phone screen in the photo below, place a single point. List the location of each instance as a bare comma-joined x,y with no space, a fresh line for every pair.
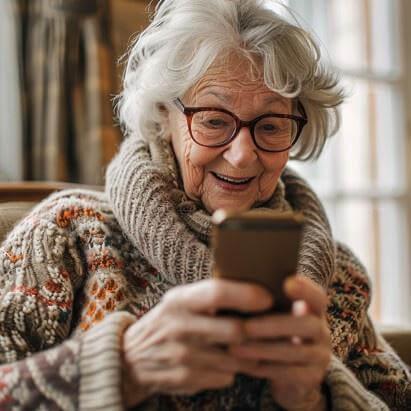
260,248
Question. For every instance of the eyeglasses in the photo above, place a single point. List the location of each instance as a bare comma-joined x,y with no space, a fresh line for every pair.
216,127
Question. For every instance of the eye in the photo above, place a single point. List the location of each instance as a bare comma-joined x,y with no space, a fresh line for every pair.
268,128
216,122
273,126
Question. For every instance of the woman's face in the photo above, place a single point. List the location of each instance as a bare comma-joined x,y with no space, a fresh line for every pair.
203,169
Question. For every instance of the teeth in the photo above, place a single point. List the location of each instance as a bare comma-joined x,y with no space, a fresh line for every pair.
234,181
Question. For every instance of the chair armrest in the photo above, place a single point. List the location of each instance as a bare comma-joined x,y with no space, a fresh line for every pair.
11,213
35,191
399,337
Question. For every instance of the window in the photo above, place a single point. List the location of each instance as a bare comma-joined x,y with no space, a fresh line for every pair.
362,173
11,161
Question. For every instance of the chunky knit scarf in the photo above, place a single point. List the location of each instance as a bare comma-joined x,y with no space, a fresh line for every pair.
173,232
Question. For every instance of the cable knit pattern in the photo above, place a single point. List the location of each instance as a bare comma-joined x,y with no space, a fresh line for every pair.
318,257
150,219
72,279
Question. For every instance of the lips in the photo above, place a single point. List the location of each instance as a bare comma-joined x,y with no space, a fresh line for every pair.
233,180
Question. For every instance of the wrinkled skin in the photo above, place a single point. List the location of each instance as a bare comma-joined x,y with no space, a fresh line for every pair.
248,98
181,347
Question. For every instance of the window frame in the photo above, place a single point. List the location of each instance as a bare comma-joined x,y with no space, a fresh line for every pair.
313,13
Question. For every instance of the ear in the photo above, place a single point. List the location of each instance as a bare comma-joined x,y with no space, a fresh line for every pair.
165,115
162,108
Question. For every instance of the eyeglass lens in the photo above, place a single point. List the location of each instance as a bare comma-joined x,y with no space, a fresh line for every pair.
213,128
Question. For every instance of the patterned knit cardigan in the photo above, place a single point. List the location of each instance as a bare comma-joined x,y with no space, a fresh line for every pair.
70,283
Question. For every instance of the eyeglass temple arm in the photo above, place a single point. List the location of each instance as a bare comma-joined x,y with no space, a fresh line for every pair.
179,104
301,108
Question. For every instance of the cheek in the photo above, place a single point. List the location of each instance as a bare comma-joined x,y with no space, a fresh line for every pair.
201,156
273,166
193,161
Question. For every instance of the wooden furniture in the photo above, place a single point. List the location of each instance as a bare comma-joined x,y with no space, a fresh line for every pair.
35,190
19,197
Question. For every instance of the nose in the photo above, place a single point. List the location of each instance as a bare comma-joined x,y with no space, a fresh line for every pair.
241,152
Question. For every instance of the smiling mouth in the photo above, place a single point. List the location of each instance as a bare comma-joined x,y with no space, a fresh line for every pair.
232,180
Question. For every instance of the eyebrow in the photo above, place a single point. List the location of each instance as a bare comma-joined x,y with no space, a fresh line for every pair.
226,98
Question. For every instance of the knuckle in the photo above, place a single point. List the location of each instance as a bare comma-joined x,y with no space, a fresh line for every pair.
215,294
182,354
235,331
177,330
182,376
170,296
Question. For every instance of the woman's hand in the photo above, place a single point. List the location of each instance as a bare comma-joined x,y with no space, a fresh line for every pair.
293,350
180,347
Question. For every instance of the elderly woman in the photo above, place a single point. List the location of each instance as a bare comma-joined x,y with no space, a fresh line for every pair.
108,301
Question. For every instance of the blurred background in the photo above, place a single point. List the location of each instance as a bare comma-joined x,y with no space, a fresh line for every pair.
60,71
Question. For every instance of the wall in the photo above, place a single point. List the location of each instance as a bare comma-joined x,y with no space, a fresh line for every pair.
128,18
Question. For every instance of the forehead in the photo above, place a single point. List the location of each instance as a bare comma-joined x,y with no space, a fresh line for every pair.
232,78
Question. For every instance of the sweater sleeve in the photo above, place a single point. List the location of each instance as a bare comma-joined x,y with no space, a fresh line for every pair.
365,373
82,373
42,268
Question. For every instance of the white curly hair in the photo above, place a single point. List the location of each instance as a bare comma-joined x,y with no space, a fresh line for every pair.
185,37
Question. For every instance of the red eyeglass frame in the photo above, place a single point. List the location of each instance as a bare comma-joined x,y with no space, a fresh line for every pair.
190,111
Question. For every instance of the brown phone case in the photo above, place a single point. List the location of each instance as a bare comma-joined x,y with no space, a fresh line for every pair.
258,246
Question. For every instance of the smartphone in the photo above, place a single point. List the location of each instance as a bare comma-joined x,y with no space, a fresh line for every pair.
257,246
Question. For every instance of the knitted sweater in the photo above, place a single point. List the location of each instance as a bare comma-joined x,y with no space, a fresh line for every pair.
71,281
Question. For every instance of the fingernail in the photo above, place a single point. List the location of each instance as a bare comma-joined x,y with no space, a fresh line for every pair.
299,308
292,285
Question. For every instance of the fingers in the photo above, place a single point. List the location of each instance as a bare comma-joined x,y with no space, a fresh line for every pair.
209,296
301,288
282,353
164,327
188,381
175,354
180,368
308,377
207,330
175,347
275,326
